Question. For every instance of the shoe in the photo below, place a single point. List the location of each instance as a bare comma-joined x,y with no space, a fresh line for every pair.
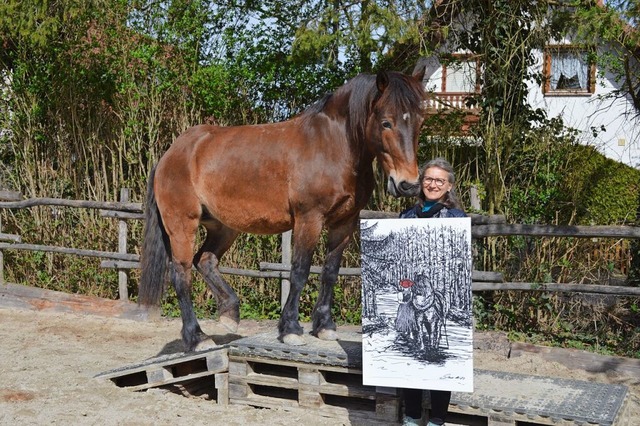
436,422
410,421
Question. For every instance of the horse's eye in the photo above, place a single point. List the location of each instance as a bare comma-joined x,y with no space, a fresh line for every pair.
387,124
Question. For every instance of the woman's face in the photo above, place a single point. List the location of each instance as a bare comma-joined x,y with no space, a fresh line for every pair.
435,184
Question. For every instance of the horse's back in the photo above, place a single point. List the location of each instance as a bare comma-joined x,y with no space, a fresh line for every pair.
250,178
208,149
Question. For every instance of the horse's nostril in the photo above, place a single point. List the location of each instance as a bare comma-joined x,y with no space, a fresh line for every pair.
408,188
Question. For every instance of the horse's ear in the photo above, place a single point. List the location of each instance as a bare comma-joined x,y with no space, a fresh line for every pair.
419,70
382,81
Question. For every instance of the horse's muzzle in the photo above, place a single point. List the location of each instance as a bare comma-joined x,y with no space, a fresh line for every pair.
403,188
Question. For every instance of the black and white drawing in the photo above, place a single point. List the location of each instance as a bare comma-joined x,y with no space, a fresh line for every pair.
417,330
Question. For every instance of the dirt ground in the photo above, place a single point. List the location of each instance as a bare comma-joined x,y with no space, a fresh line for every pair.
48,362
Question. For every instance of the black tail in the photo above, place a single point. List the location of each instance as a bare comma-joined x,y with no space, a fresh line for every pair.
155,252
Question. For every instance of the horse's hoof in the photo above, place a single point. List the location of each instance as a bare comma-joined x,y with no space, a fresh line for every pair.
229,324
293,340
331,335
205,345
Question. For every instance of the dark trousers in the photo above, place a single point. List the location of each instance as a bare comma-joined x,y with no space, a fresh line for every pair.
439,403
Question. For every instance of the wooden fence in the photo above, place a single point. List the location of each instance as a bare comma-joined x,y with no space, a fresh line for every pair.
482,226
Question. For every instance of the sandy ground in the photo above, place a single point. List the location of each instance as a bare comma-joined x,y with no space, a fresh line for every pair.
48,362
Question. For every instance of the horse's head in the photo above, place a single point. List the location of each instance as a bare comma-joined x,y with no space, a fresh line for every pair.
393,128
422,293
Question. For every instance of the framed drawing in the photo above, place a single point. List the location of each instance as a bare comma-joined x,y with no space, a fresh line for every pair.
417,330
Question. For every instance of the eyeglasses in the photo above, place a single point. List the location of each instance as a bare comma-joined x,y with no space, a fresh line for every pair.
439,182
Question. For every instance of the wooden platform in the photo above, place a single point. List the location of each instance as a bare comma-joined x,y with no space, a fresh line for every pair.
326,377
202,374
335,392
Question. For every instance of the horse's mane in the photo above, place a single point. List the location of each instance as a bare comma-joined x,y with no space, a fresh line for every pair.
361,92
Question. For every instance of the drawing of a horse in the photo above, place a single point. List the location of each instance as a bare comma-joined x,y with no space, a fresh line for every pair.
308,173
431,308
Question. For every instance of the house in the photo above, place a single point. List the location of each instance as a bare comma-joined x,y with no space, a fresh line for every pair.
587,99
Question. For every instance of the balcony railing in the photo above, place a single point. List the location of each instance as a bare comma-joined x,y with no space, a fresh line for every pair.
437,102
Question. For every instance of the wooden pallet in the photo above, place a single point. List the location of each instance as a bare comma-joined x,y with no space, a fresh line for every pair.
511,399
202,374
331,391
477,416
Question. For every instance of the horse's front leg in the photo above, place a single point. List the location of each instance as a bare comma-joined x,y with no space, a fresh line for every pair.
306,234
437,332
323,325
431,327
289,326
414,332
419,340
423,330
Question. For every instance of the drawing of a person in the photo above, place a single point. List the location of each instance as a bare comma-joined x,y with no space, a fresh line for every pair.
405,319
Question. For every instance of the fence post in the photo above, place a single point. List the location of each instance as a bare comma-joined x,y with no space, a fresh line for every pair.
1,259
285,284
123,274
474,198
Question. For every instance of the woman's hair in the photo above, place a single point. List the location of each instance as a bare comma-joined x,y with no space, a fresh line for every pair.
450,199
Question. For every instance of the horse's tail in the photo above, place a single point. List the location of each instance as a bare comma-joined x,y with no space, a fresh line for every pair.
155,252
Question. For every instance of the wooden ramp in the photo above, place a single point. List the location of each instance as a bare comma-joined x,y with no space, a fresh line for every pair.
201,374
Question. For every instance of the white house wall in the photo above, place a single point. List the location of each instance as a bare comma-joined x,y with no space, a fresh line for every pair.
432,75
619,141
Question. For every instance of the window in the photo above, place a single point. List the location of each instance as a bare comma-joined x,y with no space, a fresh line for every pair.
460,75
568,70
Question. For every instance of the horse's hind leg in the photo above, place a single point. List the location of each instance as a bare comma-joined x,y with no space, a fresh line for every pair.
181,255
323,325
217,242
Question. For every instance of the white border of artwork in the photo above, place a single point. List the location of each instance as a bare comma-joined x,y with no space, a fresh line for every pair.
403,260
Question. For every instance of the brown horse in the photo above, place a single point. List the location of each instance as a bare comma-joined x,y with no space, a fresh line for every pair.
309,173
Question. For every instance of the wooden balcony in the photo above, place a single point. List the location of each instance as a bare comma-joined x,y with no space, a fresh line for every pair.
437,103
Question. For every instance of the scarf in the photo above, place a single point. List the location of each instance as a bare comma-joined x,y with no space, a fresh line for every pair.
430,209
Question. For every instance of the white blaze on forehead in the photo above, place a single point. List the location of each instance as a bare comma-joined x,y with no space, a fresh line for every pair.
406,116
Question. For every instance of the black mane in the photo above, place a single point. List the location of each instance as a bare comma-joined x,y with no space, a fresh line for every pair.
361,92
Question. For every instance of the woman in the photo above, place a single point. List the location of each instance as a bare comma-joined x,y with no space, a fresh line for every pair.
438,197
436,200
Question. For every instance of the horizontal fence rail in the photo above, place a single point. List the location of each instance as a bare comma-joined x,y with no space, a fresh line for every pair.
558,287
103,205
556,231
482,227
